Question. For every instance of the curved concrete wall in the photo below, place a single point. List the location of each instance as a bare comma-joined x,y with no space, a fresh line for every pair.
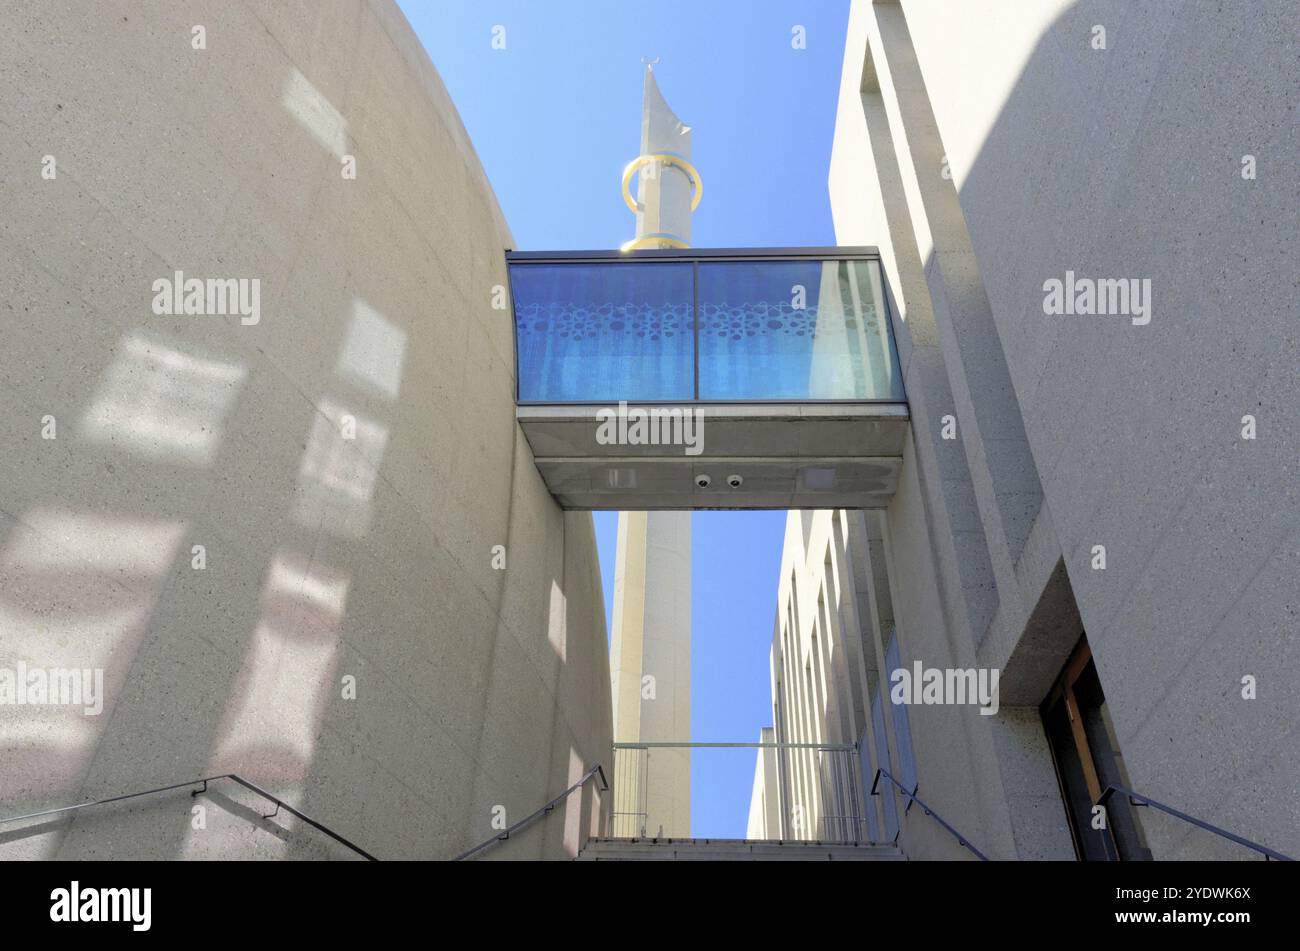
345,453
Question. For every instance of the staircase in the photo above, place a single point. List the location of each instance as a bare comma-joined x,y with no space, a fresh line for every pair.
732,850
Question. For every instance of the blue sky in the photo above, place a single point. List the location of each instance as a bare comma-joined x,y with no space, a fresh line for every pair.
554,117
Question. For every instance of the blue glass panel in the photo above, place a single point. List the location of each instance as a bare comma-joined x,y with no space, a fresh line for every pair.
868,773
604,332
795,330
886,789
902,726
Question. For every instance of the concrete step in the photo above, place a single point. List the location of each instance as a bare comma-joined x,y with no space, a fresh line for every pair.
733,850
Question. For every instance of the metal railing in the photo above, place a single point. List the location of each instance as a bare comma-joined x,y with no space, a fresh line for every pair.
279,804
846,829
631,791
911,796
533,817
815,790
1170,810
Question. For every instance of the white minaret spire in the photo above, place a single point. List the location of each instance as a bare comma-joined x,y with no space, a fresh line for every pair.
650,664
668,186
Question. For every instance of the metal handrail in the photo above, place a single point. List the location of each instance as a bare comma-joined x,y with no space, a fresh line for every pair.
279,804
961,839
687,745
545,810
834,253
1170,810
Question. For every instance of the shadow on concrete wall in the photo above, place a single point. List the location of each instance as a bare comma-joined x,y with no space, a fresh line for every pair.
347,462
1127,163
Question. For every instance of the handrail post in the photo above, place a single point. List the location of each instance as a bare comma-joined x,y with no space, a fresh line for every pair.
546,810
1110,790
233,777
961,839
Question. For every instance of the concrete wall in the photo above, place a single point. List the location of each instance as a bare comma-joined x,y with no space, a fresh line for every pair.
986,148
348,462
765,798
825,662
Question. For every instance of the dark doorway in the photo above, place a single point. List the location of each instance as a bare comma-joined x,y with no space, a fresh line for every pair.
1086,754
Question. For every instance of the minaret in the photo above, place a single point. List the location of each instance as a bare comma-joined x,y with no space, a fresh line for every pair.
669,187
651,659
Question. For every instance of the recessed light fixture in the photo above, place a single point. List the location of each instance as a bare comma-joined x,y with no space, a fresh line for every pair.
816,479
620,478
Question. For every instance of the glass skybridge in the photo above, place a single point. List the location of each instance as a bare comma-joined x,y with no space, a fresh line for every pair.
673,379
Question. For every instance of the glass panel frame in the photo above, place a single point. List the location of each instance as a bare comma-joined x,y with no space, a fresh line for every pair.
810,330
582,328
868,368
